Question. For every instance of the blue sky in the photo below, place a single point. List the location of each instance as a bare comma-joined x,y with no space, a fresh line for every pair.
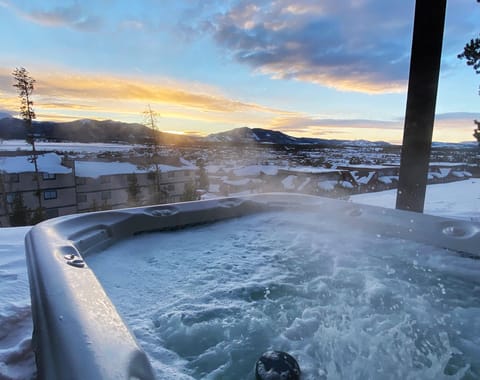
324,68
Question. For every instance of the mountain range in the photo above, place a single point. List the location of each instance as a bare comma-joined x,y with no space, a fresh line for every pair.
88,131
109,131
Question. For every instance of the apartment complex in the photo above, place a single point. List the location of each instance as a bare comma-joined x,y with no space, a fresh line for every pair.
17,180
120,184
71,186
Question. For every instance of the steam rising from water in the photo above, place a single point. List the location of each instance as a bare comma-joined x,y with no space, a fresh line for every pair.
208,301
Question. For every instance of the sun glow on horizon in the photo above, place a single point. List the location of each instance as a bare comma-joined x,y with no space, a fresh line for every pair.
68,96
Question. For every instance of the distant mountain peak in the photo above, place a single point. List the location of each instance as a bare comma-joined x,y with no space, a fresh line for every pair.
89,130
268,136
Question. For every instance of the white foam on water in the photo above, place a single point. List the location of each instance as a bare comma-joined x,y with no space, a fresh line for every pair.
206,302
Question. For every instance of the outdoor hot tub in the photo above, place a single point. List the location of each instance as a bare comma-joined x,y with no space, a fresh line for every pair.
199,290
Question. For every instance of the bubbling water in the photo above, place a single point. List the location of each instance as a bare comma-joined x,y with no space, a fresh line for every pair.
206,302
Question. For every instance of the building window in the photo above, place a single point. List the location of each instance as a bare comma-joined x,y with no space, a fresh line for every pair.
171,187
50,194
81,198
106,195
11,197
105,179
13,177
171,174
81,180
49,176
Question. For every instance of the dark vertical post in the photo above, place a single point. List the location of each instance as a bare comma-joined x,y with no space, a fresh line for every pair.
421,99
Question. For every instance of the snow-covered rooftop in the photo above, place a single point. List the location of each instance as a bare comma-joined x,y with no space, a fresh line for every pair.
309,169
95,169
256,170
369,166
362,179
238,182
49,163
13,145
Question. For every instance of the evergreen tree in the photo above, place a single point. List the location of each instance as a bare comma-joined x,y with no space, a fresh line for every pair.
94,206
476,132
133,189
153,158
37,216
3,194
19,213
25,86
471,52
190,193
203,181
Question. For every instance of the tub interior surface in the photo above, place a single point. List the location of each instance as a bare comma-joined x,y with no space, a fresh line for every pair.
205,302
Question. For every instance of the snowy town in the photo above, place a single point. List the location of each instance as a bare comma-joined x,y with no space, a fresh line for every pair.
87,179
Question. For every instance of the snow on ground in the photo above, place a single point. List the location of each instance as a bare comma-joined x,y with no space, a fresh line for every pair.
460,200
181,323
16,357
13,145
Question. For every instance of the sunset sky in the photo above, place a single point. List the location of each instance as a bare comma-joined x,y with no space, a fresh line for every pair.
320,68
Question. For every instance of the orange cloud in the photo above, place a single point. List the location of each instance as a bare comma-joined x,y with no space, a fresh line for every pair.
104,96
88,87
359,83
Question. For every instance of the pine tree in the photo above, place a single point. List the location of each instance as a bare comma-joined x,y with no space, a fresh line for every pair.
19,213
471,52
203,181
476,132
25,86
133,189
151,122
94,206
190,193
